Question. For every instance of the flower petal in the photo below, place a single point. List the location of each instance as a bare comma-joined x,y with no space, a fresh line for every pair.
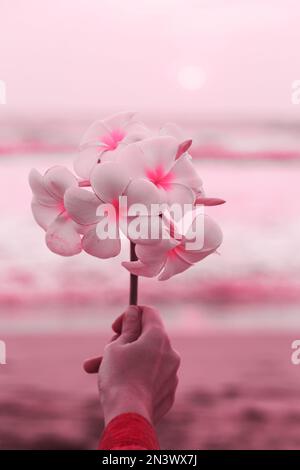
136,131
149,155
180,194
173,130
193,256
141,191
183,148
174,265
211,241
119,120
57,180
109,181
93,134
86,160
111,155
143,230
212,233
62,237
82,205
131,157
107,248
184,172
141,269
40,193
104,137
44,215
156,252
209,201
159,152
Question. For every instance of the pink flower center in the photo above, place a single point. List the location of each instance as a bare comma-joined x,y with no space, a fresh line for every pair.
172,253
116,205
62,210
112,139
158,177
61,207
176,251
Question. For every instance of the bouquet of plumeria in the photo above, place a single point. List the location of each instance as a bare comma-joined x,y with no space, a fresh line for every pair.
134,184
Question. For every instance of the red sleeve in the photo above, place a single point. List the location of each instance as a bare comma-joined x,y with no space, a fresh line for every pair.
129,431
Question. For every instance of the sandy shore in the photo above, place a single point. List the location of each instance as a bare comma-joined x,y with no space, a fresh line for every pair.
236,391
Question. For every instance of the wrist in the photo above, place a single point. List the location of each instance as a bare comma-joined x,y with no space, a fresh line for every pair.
125,400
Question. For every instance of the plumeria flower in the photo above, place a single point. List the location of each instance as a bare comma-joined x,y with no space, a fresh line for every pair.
171,129
170,256
103,137
110,182
82,206
62,233
163,161
120,159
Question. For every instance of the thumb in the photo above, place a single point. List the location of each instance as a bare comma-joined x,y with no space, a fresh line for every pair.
131,326
92,365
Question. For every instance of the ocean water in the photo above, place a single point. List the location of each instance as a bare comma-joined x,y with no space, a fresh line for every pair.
258,262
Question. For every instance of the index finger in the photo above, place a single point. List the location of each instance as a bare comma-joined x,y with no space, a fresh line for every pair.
150,318
117,324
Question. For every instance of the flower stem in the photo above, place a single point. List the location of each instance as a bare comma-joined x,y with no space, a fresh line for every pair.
133,295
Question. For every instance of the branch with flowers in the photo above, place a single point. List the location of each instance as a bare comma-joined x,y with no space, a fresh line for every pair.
130,184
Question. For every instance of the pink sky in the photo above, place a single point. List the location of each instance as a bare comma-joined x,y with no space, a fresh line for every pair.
77,55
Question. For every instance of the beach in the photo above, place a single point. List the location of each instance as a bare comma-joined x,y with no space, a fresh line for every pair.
236,391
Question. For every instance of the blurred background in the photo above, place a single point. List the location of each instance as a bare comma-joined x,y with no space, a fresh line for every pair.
222,70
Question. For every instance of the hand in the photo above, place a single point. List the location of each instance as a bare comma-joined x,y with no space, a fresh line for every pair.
139,367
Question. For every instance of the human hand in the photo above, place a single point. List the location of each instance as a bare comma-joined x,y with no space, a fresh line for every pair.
139,367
